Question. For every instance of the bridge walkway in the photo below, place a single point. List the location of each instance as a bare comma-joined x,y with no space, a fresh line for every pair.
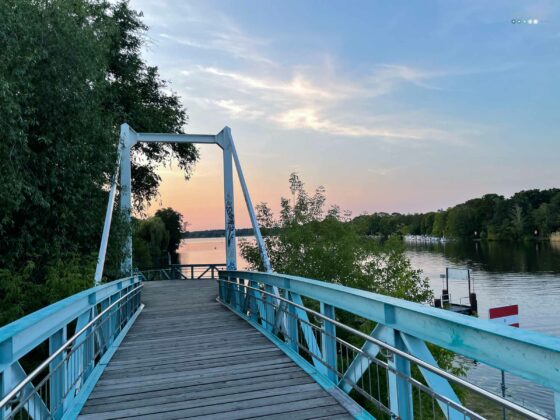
188,356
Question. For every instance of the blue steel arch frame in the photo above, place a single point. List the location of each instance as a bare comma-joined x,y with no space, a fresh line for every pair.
128,138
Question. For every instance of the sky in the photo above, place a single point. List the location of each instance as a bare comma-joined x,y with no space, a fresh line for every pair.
391,106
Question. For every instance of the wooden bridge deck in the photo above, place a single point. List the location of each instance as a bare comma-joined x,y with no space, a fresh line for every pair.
188,356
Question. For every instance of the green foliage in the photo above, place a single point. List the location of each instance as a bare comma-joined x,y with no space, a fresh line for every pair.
308,240
490,217
13,288
313,242
71,73
21,294
69,276
151,240
138,96
173,222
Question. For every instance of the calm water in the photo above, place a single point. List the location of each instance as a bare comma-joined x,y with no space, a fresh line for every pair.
524,274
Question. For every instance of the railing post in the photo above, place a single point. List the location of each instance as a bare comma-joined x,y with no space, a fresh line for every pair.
328,342
221,287
58,375
88,347
235,297
269,309
400,390
253,305
293,332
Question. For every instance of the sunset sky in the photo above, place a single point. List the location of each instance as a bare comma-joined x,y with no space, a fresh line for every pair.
391,106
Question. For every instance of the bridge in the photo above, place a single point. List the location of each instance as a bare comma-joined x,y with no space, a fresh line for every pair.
210,341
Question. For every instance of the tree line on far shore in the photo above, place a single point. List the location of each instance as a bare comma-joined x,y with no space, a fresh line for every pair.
527,215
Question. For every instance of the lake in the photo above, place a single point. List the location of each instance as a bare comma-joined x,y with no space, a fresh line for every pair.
526,274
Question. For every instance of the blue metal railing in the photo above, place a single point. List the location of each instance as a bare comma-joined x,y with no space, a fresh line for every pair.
96,319
183,272
391,370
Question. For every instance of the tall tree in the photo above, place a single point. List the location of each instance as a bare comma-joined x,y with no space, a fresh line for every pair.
71,73
173,222
138,96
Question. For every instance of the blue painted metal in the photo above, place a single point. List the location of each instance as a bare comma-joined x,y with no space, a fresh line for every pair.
128,139
400,390
308,334
9,379
360,363
20,337
419,349
58,372
328,342
50,323
231,255
531,355
401,330
85,391
269,309
319,377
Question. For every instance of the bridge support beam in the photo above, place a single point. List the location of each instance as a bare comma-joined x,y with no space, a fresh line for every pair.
231,256
126,195
224,139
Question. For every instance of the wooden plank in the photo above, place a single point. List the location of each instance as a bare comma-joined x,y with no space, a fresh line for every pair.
226,380
325,412
183,392
219,405
239,412
187,356
204,397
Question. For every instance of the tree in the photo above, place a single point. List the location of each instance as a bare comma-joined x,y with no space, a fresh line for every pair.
517,221
151,241
71,73
138,96
440,220
173,222
312,241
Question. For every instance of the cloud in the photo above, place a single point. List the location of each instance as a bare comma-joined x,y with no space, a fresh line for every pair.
297,86
231,75
230,43
238,110
309,118
388,77
330,105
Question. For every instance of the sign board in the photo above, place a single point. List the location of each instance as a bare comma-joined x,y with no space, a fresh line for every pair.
506,315
457,273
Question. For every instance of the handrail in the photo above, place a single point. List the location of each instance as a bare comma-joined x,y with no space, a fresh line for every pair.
24,334
528,354
199,265
437,370
19,387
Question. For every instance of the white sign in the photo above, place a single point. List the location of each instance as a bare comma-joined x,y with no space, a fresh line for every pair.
457,273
